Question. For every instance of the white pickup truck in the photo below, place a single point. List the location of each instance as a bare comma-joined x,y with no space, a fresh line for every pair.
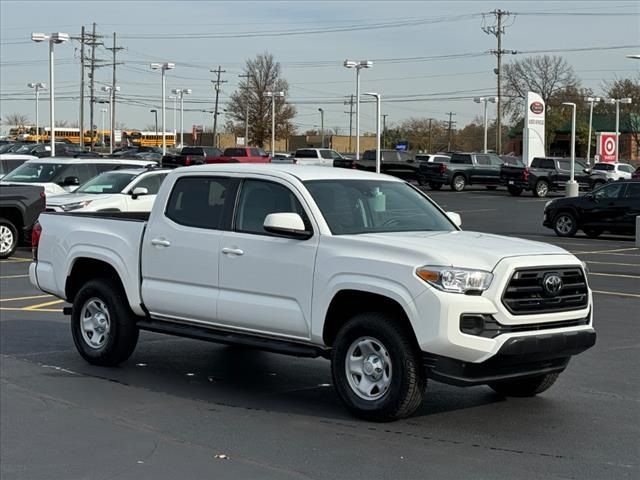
360,268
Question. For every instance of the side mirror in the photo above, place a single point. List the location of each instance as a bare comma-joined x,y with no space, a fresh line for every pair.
455,218
138,192
288,225
70,182
587,170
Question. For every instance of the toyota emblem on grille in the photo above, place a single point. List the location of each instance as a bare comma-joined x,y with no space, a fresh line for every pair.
552,284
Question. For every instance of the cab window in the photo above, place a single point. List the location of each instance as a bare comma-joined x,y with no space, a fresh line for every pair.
609,191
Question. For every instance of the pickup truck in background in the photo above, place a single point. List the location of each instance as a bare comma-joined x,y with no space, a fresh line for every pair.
241,155
317,156
360,268
463,169
190,156
392,162
544,175
20,206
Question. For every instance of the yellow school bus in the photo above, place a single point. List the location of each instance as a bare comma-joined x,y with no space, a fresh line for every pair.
149,139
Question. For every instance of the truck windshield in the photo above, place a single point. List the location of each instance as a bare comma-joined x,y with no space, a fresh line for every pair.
374,206
35,172
110,182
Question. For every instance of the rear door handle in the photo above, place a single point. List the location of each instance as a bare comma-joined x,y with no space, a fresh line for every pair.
232,251
161,242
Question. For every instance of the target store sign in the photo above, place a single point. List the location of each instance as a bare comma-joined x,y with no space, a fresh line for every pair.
607,147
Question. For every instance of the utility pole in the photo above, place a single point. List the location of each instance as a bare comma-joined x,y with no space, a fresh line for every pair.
430,120
114,50
92,100
216,86
384,129
451,114
246,113
498,30
350,103
82,88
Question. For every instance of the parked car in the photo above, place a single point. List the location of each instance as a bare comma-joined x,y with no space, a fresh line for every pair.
392,162
10,161
612,207
241,155
127,190
316,156
282,157
20,206
61,175
607,172
463,169
191,156
427,157
353,266
544,175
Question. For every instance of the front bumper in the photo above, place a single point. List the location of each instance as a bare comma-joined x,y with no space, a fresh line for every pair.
518,357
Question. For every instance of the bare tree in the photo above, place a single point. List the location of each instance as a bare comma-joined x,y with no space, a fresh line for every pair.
62,123
16,119
264,74
629,114
545,75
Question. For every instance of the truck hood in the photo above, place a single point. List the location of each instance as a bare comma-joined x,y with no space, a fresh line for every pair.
464,249
57,200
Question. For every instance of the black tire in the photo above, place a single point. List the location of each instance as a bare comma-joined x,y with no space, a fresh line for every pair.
541,189
491,187
514,191
435,186
592,232
122,337
421,180
8,238
597,183
458,182
525,387
565,224
407,380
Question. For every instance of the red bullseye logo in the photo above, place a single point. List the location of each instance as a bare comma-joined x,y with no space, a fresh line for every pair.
537,108
609,146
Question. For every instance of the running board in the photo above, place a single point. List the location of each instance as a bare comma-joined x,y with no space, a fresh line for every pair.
216,335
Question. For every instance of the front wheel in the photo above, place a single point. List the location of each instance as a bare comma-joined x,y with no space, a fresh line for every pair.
525,387
376,368
458,183
8,238
593,232
565,224
435,186
102,324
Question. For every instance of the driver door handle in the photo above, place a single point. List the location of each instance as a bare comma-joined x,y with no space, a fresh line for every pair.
160,242
232,251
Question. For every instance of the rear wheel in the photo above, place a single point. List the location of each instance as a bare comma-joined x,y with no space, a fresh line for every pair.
435,186
565,224
491,187
102,324
515,191
376,368
458,182
525,387
8,238
421,180
541,189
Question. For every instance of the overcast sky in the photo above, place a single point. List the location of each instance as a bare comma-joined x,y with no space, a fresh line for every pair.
313,40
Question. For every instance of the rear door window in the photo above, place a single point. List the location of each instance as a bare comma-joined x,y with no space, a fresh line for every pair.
633,190
461,159
547,164
306,154
255,152
483,159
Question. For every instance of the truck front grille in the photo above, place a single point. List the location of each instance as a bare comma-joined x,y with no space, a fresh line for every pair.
527,294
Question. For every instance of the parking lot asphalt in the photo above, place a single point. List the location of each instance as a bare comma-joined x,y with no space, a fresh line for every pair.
183,408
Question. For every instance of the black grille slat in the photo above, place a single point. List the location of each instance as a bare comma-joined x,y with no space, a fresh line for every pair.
525,294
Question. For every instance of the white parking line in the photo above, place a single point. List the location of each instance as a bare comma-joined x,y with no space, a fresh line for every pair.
617,264
602,292
477,210
615,250
614,275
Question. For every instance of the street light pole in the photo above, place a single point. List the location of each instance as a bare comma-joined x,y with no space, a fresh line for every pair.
163,67
358,65
617,102
175,103
321,126
485,100
37,86
103,111
180,93
572,186
591,101
378,131
273,96
155,112
111,91
54,38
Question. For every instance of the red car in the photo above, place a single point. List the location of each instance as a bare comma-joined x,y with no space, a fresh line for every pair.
241,155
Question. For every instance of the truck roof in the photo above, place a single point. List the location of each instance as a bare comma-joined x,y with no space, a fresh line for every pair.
301,172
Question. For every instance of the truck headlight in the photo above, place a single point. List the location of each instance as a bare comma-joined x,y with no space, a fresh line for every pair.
455,280
75,206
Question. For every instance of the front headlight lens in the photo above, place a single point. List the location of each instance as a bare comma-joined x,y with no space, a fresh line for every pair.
455,280
75,206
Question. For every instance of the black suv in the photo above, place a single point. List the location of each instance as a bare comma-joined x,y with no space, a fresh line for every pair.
610,208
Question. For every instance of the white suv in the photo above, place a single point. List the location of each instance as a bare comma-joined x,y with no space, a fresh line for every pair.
608,172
